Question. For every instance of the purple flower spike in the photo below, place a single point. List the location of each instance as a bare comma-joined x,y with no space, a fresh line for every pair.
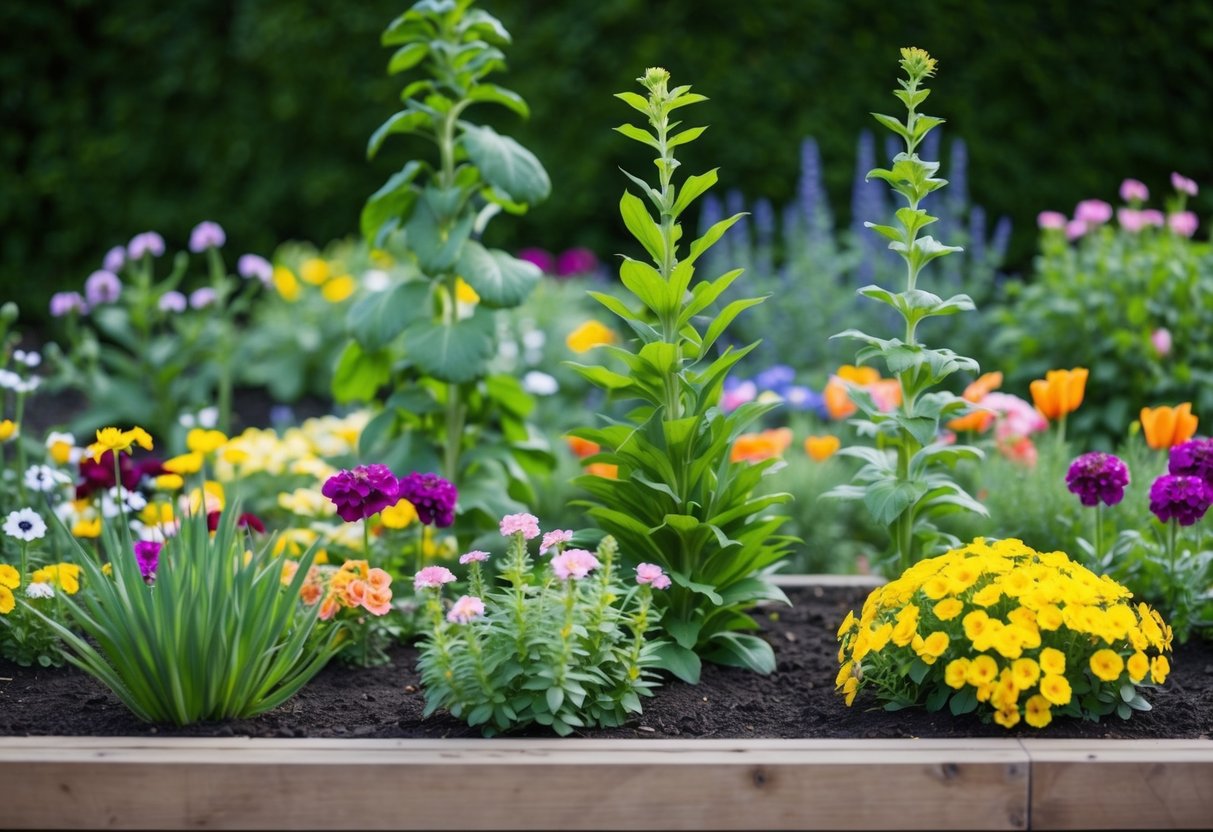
64,303
1098,478
102,287
172,301
1193,458
1179,497
206,235
254,265
432,496
147,554
149,242
114,260
362,492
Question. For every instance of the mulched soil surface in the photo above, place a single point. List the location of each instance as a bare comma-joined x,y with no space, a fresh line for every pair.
797,701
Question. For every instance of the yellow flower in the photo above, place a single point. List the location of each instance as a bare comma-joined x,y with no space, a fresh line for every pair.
975,623
1159,668
948,608
987,596
821,448
955,673
399,515
917,62
87,528
1049,617
169,482
878,638
1007,718
850,688
1055,688
66,576
9,577
1025,672
8,430
113,439
1052,661
286,283
844,673
847,624
7,602
157,514
190,463
1037,712
207,499
1107,665
464,293
204,442
935,644
936,587
589,335
339,288
315,271
1139,666
981,671
59,446
140,437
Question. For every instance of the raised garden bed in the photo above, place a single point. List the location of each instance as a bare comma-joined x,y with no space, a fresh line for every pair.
768,752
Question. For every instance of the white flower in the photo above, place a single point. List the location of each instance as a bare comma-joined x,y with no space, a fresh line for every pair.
29,359
25,524
508,350
376,280
133,501
187,420
534,339
29,385
44,479
208,417
40,590
55,437
539,384
10,380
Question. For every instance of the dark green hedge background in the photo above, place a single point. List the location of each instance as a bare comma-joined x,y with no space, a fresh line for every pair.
127,115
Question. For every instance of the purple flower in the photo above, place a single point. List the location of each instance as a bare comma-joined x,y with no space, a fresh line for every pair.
363,492
102,287
1179,497
114,260
776,378
254,265
1183,184
149,242
206,235
1098,478
799,397
147,554
1051,220
1093,212
63,303
540,257
432,496
1131,219
1193,458
1132,190
172,301
576,261
1160,339
202,298
1184,223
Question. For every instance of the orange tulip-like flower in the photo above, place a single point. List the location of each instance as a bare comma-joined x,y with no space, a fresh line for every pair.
838,403
603,469
821,448
1059,392
755,447
582,448
1166,427
984,386
978,421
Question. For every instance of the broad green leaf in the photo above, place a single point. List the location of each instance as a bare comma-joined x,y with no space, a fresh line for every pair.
505,164
709,238
635,101
684,631
436,246
501,280
500,95
641,225
887,499
688,135
643,281
602,377
407,57
393,201
454,353
680,661
742,650
692,188
637,134
378,317
892,124
405,121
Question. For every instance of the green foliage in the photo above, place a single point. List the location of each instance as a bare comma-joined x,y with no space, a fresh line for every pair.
565,654
213,637
904,481
679,501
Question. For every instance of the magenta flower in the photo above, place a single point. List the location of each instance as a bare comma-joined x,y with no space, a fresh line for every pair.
1050,221
1131,219
149,242
362,492
206,235
555,539
114,260
102,287
1075,229
1183,223
1182,498
574,563
432,496
64,303
1193,458
1093,212
147,555
202,298
467,609
1132,190
172,301
432,577
1183,184
1153,217
539,257
1160,339
576,261
1098,478
652,574
526,525
255,266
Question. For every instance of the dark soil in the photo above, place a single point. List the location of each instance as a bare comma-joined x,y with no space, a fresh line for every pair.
797,701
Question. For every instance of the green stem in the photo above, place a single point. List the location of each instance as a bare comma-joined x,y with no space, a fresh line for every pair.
1099,533
19,416
1172,540
25,561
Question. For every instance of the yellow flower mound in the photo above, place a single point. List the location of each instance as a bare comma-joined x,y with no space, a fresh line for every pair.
1010,633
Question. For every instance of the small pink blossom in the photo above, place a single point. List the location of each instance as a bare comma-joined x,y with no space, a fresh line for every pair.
432,577
1051,220
1153,217
1131,190
1021,450
475,556
1014,416
526,525
652,574
1183,184
467,609
1075,229
574,563
1131,219
1093,212
1184,223
555,538
735,395
1160,339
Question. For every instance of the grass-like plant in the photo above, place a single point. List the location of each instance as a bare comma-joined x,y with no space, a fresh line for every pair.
205,629
678,500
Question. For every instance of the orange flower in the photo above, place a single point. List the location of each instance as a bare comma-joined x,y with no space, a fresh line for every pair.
603,469
1166,427
755,447
1059,392
978,421
821,448
582,448
838,403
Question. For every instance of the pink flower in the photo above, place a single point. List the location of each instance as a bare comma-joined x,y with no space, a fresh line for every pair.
651,573
555,538
475,556
1160,339
539,257
465,610
1015,417
1153,217
735,395
1075,229
526,525
1133,191
1093,212
1021,450
1051,220
1184,223
576,261
432,577
1183,184
574,563
1130,219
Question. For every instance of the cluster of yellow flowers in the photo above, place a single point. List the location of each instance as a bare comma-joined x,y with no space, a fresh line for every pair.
1025,634
335,284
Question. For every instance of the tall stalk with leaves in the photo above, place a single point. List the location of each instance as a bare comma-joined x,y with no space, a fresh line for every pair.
431,338
906,479
678,500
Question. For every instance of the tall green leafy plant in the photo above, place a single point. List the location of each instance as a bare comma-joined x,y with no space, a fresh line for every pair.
430,338
906,479
679,501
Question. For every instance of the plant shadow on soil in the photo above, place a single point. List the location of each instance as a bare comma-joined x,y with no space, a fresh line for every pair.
797,701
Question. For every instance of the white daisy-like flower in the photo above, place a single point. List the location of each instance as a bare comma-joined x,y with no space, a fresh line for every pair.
539,384
132,501
25,524
44,479
38,589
